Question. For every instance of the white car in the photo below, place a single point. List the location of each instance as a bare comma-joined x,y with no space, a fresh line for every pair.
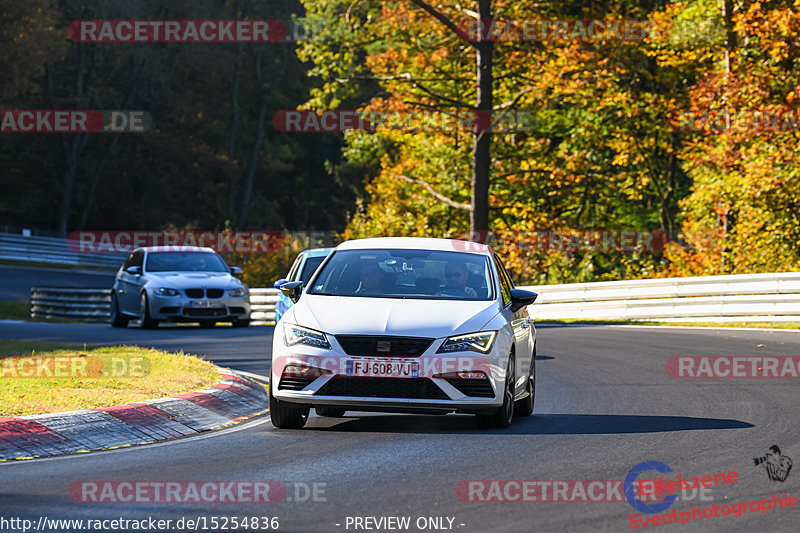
402,324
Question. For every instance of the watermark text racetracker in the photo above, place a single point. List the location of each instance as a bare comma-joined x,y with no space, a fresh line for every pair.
203,492
74,367
74,121
727,367
221,241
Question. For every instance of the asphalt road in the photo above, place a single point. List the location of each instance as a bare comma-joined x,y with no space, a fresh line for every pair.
604,404
16,281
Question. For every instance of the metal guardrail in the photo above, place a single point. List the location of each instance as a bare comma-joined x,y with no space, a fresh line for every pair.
54,251
771,297
762,297
94,305
84,305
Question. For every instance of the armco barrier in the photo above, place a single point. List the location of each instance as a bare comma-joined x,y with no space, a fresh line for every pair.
94,305
762,297
53,251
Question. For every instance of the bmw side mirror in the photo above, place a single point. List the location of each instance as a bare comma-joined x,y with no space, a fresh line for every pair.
520,298
236,271
135,270
292,290
278,283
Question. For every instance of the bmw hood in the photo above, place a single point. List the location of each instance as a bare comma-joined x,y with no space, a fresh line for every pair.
391,316
185,280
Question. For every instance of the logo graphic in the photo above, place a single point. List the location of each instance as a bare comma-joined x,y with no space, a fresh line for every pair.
777,466
630,481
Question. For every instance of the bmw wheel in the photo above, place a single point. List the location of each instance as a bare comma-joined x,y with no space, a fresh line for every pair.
117,319
144,313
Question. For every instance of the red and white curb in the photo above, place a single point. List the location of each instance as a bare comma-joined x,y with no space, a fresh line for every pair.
233,399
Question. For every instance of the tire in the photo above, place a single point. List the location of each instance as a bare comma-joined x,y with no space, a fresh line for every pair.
117,320
333,412
144,313
524,407
243,323
286,415
503,415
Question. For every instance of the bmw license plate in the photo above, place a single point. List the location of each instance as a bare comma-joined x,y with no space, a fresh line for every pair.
382,369
204,304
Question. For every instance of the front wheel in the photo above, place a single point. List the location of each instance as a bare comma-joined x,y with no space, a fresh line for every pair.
524,407
286,415
144,313
117,319
502,416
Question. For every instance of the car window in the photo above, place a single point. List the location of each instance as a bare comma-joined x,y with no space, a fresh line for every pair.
128,262
185,262
291,276
418,274
505,282
310,266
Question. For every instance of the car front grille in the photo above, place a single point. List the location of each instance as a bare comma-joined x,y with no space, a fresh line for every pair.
236,310
169,310
188,311
214,293
480,388
384,345
420,388
194,293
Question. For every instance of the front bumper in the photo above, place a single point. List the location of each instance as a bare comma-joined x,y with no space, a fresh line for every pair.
184,309
438,387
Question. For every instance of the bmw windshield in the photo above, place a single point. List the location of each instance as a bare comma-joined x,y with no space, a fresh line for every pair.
418,274
185,262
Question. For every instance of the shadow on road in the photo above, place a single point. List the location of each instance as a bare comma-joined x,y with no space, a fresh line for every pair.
546,424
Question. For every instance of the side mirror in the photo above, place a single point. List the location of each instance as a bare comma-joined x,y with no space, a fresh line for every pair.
520,298
135,270
236,271
278,283
292,290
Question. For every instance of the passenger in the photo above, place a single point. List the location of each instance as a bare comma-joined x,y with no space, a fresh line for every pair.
371,278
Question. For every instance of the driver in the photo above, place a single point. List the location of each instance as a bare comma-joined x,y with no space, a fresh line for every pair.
456,276
371,278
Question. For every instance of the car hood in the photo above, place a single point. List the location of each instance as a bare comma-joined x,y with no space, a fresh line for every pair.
185,280
392,316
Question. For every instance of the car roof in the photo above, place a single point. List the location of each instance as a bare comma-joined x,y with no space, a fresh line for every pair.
316,252
417,243
175,248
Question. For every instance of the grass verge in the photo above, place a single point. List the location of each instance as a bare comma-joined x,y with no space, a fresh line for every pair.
39,377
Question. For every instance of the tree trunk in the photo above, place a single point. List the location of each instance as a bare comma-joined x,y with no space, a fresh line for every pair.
481,156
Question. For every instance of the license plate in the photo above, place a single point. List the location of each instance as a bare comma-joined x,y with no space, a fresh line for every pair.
205,305
383,369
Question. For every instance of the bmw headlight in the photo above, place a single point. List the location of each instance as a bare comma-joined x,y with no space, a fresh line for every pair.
241,291
166,291
476,342
298,335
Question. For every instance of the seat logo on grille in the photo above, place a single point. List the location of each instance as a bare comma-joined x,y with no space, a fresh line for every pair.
384,346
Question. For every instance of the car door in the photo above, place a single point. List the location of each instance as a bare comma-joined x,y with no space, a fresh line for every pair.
128,286
521,325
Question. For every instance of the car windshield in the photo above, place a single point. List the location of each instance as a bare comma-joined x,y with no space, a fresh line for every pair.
185,262
309,267
419,274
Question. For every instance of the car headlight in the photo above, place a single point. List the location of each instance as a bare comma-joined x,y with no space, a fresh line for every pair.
166,291
298,335
476,342
241,291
